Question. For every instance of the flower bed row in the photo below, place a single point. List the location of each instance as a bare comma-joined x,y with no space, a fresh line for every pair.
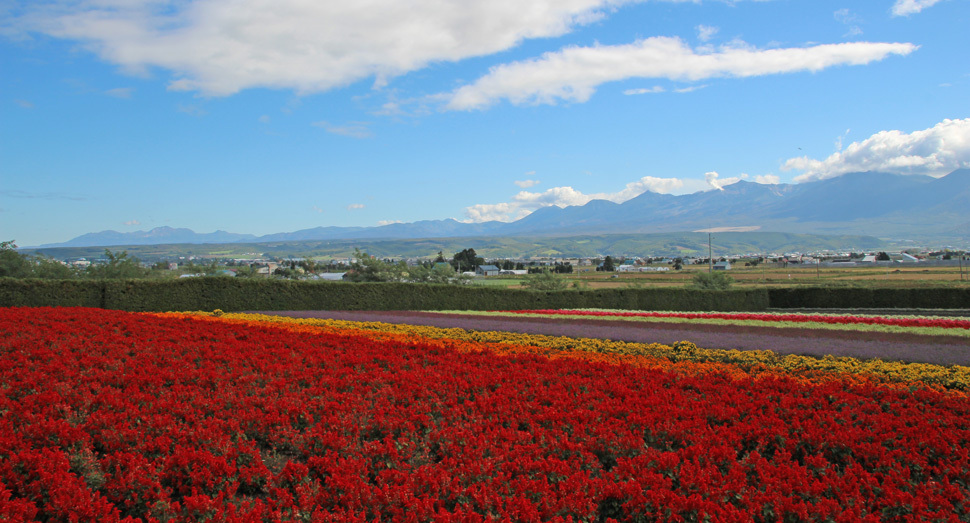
113,416
832,319
953,377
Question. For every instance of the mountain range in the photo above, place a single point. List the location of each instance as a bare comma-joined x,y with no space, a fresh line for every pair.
869,203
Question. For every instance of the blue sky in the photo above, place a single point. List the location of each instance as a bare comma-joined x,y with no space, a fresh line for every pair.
264,116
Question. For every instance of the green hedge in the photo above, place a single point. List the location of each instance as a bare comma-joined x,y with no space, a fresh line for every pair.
231,294
864,298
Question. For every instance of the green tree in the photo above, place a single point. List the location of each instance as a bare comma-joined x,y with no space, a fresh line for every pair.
467,260
608,264
51,269
545,281
714,281
12,263
882,256
368,268
118,266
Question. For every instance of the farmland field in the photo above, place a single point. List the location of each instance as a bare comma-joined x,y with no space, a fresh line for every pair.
780,277
111,416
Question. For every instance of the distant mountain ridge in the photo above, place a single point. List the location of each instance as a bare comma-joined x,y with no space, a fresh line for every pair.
869,203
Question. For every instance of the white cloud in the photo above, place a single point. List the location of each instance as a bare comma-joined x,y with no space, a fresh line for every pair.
844,16
525,202
936,151
355,206
840,139
651,90
690,89
388,222
120,92
714,179
219,48
24,104
351,129
573,74
525,184
908,7
530,173
131,223
706,32
264,118
768,179
317,209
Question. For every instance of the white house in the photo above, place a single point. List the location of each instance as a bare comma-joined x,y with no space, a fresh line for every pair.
722,266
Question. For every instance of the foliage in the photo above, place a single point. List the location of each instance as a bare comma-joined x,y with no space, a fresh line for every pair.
370,269
466,260
12,263
713,281
545,281
16,265
118,266
608,265
237,294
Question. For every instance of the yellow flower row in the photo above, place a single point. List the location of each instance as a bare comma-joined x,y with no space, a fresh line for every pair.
682,356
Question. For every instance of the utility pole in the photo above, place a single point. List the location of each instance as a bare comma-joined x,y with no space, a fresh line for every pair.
710,257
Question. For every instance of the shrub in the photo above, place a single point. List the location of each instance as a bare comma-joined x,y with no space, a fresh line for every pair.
715,281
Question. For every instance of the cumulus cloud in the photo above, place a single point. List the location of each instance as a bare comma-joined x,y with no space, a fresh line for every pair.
573,74
219,48
767,179
525,184
936,151
351,129
526,202
908,7
355,206
714,180
706,32
388,222
132,223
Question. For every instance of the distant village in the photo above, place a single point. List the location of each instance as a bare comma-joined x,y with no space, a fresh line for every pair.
337,268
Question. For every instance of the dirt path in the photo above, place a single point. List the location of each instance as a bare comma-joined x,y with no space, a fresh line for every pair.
942,350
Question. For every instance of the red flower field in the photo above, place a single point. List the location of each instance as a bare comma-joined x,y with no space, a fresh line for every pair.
109,416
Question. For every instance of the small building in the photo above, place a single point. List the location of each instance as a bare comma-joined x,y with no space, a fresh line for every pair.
512,272
626,268
487,270
722,266
331,276
909,258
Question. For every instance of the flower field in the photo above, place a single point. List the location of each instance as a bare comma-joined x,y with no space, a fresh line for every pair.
113,416
834,319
